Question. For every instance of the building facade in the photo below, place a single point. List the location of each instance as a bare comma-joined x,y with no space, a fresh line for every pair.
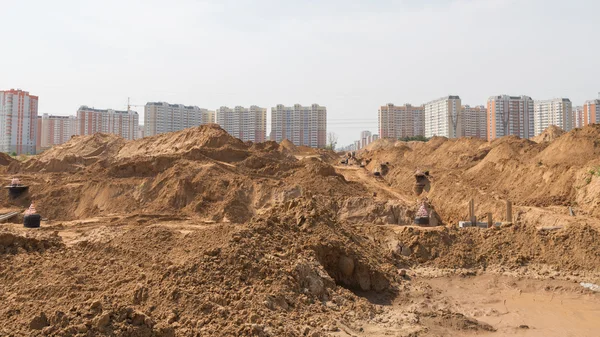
556,112
247,124
591,112
401,121
140,132
442,117
122,123
510,115
54,130
365,138
302,125
162,117
18,121
578,116
474,120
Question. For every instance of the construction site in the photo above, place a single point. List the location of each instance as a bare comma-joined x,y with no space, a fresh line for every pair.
196,233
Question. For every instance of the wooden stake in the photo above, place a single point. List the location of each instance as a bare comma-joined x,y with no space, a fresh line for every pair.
509,217
490,221
472,212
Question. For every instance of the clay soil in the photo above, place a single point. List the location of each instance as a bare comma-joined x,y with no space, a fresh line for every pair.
196,233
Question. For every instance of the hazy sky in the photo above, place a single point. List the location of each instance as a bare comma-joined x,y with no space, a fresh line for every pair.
351,56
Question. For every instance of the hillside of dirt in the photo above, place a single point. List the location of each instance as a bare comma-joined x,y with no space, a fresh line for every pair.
548,135
5,159
557,173
196,233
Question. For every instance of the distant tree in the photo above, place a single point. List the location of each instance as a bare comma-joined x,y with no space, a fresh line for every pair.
332,140
14,154
415,139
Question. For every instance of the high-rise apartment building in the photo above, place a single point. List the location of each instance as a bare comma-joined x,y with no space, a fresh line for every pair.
401,121
556,111
591,112
442,117
247,124
122,123
18,121
365,138
161,117
577,116
54,130
474,120
510,115
302,125
140,132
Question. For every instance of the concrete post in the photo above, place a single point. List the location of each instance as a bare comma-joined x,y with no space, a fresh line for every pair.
472,217
509,217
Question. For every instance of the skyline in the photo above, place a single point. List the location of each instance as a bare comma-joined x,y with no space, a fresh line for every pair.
350,57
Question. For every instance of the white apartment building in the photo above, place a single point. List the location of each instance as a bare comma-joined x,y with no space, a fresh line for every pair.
122,123
556,111
442,117
401,121
474,121
510,115
54,130
578,117
18,121
140,132
302,125
365,138
162,117
247,124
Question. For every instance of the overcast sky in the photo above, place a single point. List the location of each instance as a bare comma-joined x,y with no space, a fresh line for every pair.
351,56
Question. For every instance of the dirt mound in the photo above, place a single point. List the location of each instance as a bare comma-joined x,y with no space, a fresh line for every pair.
288,273
209,140
551,133
572,248
13,242
288,146
76,154
5,159
197,233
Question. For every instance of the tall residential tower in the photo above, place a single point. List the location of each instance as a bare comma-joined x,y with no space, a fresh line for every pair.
247,124
401,121
556,111
18,121
54,130
122,123
591,112
301,125
161,117
510,115
442,117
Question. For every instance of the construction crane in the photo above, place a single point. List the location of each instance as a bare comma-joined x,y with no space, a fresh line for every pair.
129,105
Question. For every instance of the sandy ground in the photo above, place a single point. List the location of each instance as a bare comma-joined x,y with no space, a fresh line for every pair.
523,307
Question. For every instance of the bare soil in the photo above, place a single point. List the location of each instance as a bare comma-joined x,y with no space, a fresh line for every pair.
196,233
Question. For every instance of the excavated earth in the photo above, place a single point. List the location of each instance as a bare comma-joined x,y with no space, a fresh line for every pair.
196,233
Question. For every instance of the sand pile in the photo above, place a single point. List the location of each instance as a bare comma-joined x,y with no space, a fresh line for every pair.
196,233
5,159
289,273
548,135
561,172
78,153
510,247
288,146
200,171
